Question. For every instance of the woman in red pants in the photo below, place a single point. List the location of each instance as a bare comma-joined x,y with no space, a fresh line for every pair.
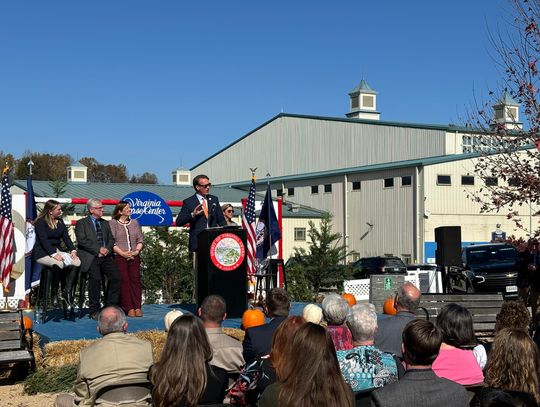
128,244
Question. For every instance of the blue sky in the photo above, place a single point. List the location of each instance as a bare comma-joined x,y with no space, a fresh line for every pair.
158,85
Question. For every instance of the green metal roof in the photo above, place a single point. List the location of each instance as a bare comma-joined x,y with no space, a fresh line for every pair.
363,169
506,99
166,192
449,127
363,87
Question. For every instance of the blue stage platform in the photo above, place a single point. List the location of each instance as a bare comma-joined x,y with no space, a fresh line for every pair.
56,328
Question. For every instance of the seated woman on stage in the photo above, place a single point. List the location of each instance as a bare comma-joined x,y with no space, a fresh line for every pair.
456,360
51,232
183,377
310,375
128,243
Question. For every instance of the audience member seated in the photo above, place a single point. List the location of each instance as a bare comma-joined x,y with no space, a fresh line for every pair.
310,376
312,313
420,386
170,317
183,377
513,314
262,371
501,398
364,366
227,351
258,340
388,335
513,366
456,361
115,358
335,310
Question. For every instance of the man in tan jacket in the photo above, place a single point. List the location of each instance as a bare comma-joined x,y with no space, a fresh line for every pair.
116,358
227,351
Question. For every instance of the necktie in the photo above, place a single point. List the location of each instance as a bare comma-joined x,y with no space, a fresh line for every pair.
99,232
205,208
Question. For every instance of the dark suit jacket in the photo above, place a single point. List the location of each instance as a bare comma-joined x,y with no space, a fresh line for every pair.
389,331
421,388
258,340
198,223
88,246
48,240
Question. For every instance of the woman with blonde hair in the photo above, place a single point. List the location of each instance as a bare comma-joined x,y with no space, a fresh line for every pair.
128,243
183,377
310,375
228,213
513,367
51,232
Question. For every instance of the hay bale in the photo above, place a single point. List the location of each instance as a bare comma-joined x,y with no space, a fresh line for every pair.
235,333
156,338
62,353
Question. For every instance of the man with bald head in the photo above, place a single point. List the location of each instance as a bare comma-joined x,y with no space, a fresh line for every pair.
388,335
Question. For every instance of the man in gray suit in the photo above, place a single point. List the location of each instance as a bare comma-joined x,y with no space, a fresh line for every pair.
95,242
420,386
388,335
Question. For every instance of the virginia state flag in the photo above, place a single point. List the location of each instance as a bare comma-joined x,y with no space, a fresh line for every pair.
32,270
268,232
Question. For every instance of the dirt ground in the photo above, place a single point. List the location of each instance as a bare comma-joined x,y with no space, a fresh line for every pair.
11,395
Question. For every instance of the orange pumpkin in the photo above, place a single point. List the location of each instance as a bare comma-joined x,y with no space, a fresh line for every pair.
388,307
252,317
351,299
27,322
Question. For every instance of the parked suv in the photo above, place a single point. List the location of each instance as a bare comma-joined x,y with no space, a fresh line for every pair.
486,268
367,266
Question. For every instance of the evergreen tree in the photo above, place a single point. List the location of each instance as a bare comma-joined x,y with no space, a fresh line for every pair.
166,266
322,264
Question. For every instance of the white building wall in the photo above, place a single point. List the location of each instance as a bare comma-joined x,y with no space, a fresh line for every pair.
449,205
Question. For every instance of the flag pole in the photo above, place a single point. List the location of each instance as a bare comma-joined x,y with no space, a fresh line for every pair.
268,216
5,172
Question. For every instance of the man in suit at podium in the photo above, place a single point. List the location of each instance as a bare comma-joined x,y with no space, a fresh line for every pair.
200,210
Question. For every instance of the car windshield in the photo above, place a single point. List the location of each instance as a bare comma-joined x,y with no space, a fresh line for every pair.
492,255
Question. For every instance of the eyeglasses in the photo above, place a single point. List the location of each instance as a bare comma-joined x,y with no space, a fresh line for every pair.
98,207
229,211
205,185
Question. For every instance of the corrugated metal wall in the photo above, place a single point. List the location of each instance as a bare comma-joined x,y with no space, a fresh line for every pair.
295,145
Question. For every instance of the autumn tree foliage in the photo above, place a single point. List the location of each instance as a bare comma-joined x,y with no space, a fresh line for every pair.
510,152
53,167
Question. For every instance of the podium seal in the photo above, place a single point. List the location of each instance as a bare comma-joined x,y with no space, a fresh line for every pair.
227,252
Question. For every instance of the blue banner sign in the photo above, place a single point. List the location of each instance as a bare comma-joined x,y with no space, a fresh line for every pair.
149,209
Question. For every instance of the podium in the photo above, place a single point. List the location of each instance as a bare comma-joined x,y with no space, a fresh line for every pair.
221,267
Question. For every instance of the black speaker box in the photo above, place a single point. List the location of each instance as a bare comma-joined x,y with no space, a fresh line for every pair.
448,239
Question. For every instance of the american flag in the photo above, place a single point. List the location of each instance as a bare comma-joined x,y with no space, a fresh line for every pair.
248,223
6,233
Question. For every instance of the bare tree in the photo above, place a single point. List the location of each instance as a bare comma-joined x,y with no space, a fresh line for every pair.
509,163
